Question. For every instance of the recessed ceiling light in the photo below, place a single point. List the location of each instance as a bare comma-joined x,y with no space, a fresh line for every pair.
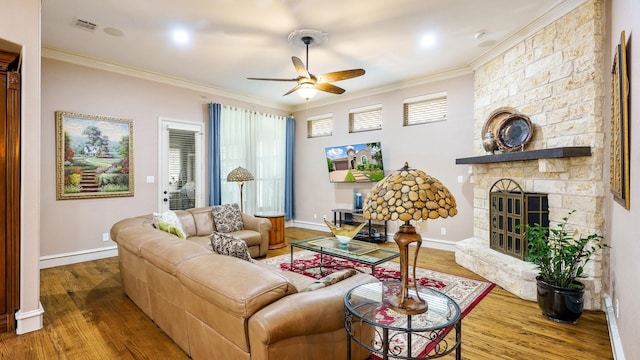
180,36
113,31
428,40
480,34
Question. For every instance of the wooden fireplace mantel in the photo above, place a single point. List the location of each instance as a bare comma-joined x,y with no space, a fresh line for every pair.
553,153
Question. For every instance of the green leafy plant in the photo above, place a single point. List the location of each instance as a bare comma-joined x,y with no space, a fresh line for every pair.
559,255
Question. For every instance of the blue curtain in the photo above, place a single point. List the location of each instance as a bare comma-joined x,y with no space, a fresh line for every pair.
215,190
289,175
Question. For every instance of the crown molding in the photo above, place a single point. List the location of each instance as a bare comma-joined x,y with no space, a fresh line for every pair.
560,10
431,78
77,59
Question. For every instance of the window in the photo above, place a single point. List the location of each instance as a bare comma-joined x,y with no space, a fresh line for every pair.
425,109
365,118
257,142
320,125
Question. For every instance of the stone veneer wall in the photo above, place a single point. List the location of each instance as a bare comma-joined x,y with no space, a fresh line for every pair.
556,78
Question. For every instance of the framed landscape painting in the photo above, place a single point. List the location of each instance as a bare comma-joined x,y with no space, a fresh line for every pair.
94,156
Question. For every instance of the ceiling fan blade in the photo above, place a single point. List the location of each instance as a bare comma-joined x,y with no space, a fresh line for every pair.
340,75
330,88
300,69
271,79
292,90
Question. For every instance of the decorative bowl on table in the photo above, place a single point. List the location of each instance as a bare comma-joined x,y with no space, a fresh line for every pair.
344,233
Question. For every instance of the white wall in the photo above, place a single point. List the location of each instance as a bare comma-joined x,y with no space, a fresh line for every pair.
432,148
72,229
621,224
20,24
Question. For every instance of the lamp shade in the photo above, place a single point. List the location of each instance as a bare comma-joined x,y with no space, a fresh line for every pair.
239,174
409,194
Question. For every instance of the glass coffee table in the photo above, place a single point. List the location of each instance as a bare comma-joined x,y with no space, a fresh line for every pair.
373,325
357,251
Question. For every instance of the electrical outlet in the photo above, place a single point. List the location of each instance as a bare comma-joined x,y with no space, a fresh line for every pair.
460,179
315,216
105,237
324,217
443,231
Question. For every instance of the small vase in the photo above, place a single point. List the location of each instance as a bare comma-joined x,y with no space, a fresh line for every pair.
489,143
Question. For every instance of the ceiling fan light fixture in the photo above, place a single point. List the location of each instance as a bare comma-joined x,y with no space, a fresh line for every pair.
307,91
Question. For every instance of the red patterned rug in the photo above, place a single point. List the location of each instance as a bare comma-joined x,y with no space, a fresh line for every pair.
466,292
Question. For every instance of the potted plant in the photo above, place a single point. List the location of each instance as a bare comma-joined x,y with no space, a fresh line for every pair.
560,257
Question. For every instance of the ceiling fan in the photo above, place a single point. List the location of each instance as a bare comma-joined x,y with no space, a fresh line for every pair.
309,83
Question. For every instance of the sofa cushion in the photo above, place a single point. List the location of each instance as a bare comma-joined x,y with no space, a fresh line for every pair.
329,279
227,218
239,287
203,220
168,221
225,244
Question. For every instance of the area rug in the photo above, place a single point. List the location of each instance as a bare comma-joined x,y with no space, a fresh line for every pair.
466,292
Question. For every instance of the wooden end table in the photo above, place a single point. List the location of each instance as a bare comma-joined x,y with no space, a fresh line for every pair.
276,235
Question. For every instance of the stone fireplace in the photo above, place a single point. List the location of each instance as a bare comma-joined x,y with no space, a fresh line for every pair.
556,78
511,208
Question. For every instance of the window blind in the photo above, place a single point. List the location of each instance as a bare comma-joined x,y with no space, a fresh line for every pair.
320,125
425,109
365,118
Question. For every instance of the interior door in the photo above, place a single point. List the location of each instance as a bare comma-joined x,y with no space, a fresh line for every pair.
181,165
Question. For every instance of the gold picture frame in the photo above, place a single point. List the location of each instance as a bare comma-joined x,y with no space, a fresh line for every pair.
620,182
94,156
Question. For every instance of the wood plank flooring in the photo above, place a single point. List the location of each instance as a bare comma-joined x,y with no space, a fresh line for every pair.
87,316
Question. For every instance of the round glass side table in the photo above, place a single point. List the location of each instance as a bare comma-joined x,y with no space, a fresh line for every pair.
373,325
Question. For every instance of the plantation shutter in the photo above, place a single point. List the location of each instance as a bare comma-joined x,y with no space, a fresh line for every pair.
182,166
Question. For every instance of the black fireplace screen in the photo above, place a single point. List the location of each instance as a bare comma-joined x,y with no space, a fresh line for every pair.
510,206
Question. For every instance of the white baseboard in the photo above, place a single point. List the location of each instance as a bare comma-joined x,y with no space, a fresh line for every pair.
309,225
29,320
614,335
50,261
426,242
439,244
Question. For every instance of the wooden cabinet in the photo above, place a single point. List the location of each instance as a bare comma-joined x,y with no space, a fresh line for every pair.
276,236
9,190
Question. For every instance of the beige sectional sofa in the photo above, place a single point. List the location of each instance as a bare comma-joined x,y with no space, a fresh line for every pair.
221,307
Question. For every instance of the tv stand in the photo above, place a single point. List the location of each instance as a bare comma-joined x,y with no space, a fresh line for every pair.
375,231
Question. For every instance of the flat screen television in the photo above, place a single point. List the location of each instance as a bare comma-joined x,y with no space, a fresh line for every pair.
355,163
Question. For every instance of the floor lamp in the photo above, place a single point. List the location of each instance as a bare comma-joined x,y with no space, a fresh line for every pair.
408,194
240,175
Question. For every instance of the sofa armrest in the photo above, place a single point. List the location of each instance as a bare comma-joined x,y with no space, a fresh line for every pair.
312,312
261,225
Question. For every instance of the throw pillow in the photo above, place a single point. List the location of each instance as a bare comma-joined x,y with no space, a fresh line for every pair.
169,217
171,229
225,244
227,218
329,280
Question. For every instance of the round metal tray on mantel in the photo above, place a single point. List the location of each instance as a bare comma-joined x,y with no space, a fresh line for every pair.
514,132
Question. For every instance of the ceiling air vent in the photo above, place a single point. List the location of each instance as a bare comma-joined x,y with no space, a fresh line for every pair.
85,25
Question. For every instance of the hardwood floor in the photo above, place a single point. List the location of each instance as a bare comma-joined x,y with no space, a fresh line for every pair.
87,316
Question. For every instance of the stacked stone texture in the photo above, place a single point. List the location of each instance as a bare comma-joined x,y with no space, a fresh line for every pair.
556,78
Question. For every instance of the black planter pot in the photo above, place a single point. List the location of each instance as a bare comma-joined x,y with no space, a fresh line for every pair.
559,304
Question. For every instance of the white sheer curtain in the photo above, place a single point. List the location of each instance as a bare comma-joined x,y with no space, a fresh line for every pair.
255,141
